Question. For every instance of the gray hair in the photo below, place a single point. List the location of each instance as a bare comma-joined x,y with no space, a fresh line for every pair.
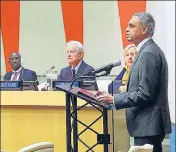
147,20
77,44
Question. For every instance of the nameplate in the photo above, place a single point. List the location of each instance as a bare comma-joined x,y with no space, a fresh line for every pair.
10,84
57,83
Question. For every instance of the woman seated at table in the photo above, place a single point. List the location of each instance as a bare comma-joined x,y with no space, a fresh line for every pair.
120,82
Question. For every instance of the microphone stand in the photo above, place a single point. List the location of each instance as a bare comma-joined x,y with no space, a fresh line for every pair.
81,77
107,71
44,75
90,77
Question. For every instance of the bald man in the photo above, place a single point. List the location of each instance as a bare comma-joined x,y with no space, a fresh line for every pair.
19,73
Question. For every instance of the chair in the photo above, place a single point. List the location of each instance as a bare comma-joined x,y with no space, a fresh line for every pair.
144,148
39,147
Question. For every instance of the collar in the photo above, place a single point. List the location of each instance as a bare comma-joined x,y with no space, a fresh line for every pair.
18,71
77,67
142,43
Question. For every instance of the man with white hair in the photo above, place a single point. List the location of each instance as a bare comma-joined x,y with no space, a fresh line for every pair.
77,67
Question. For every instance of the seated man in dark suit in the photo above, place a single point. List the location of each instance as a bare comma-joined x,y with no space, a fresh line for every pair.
19,73
77,67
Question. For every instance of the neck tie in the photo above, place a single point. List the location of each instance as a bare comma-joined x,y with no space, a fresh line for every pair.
15,76
73,74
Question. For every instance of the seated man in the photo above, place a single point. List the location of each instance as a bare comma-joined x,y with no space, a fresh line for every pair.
77,67
19,73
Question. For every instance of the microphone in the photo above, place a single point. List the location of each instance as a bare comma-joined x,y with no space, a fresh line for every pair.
106,68
51,68
91,75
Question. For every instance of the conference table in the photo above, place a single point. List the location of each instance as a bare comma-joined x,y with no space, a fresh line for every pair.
28,117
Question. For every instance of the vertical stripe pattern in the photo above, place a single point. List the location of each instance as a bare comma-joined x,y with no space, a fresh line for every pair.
126,10
10,13
72,12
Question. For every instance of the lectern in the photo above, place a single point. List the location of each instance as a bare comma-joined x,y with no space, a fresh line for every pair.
72,93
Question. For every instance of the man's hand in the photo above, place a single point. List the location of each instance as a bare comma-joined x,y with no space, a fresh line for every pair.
102,96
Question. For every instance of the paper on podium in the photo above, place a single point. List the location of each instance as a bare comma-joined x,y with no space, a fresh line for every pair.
90,95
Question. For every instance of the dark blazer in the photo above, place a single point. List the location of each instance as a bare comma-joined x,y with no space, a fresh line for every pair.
66,75
146,100
25,75
113,87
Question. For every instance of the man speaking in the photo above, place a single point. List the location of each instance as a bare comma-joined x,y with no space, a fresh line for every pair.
146,99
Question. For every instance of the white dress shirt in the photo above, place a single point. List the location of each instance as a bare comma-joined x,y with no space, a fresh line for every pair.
142,43
77,67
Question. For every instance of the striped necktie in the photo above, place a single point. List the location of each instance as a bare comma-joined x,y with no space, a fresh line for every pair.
15,76
73,74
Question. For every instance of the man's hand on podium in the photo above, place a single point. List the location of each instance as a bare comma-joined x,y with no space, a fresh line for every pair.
102,96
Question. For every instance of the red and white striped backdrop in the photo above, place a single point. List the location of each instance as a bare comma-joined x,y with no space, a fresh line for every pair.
34,20
40,29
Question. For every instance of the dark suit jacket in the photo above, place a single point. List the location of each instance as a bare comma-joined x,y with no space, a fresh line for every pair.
25,75
113,87
147,97
66,75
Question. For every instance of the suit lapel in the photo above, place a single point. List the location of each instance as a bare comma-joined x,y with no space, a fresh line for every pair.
9,75
138,54
69,74
21,77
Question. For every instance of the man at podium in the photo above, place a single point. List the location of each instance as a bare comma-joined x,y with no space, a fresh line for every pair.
146,99
77,67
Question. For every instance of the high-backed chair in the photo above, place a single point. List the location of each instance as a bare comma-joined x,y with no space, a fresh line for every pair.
144,148
39,147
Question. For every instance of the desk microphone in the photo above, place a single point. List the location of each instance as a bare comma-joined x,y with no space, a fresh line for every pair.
51,68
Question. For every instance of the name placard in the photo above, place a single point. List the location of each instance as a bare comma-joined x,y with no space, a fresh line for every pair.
10,84
56,83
